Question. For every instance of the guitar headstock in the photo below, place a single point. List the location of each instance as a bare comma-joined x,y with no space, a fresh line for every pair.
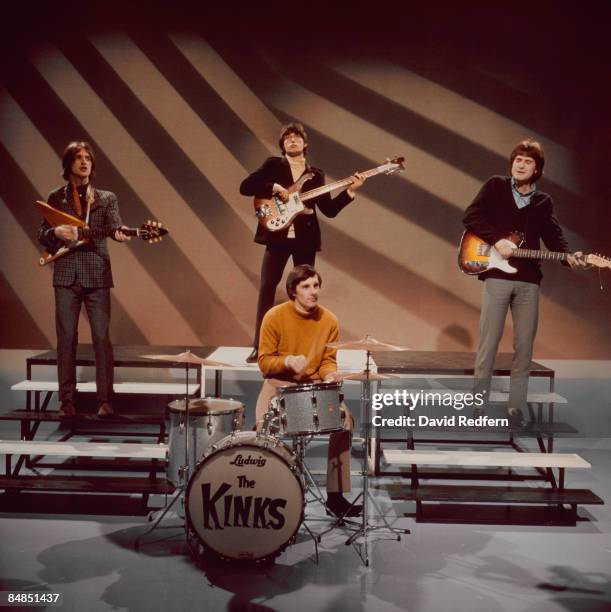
152,231
600,261
393,165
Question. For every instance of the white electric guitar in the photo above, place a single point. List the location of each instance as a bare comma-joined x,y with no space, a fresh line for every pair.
275,215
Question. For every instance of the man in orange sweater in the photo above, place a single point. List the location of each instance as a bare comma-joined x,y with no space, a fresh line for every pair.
293,350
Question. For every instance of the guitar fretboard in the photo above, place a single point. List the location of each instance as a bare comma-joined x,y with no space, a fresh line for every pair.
314,193
96,234
534,254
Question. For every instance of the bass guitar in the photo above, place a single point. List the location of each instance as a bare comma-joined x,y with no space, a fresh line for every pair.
274,214
476,256
151,231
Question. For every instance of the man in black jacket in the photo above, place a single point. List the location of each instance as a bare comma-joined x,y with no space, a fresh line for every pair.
503,205
83,275
301,239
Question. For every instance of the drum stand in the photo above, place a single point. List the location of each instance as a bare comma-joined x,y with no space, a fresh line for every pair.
299,447
360,538
184,472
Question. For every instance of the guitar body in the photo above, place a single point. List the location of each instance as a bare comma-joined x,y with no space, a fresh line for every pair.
276,215
475,256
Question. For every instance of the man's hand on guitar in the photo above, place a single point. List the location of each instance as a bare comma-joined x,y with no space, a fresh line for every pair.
356,183
119,236
577,260
67,233
281,192
504,247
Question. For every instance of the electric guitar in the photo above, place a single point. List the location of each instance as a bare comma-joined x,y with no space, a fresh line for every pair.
151,231
276,215
476,256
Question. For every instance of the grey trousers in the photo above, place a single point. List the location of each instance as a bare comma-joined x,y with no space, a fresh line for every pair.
68,301
498,296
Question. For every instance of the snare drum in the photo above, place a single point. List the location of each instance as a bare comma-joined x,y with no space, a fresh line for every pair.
309,409
245,500
210,420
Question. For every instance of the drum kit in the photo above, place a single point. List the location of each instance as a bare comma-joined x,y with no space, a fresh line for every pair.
245,493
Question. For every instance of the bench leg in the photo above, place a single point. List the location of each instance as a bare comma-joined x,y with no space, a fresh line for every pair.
378,452
414,476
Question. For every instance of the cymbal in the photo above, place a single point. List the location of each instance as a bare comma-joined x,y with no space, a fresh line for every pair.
187,357
363,376
368,343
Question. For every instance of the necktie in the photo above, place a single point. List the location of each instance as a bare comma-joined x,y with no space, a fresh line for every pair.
77,201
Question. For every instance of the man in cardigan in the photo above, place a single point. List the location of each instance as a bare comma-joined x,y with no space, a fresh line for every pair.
504,205
301,239
293,350
83,275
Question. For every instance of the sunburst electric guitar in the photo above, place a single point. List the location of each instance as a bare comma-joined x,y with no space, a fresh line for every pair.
276,215
476,256
151,231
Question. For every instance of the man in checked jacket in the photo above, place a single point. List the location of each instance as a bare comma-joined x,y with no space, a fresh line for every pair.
83,275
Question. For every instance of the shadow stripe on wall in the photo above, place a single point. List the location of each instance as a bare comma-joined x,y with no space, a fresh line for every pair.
203,99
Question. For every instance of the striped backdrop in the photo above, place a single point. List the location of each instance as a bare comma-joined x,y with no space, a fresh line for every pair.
178,117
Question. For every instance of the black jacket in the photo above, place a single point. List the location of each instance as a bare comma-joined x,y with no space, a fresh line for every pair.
307,231
493,215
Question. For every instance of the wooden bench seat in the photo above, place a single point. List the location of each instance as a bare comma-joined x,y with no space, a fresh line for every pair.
83,417
485,459
141,388
493,494
83,449
88,484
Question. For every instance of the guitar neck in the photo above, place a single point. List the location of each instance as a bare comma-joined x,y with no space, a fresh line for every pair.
535,254
314,193
95,234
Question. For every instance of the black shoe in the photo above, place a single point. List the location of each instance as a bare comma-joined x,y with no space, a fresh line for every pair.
252,358
337,505
516,417
67,410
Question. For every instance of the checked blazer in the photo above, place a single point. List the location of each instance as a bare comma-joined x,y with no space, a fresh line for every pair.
89,264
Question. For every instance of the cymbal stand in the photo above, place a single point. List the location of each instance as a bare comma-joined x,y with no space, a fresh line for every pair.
184,472
360,538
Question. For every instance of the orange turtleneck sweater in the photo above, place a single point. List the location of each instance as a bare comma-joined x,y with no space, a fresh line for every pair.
285,331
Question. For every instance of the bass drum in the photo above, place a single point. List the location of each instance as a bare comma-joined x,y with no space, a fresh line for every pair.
245,501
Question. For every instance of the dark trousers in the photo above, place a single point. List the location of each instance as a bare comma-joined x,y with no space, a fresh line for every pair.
68,302
272,268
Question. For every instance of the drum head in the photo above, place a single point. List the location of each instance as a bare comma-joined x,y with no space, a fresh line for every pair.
244,502
207,405
309,387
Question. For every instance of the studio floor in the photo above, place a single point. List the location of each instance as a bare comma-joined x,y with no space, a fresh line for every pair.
84,549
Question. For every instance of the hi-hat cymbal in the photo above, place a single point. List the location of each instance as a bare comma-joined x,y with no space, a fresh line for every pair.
187,357
363,376
368,344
